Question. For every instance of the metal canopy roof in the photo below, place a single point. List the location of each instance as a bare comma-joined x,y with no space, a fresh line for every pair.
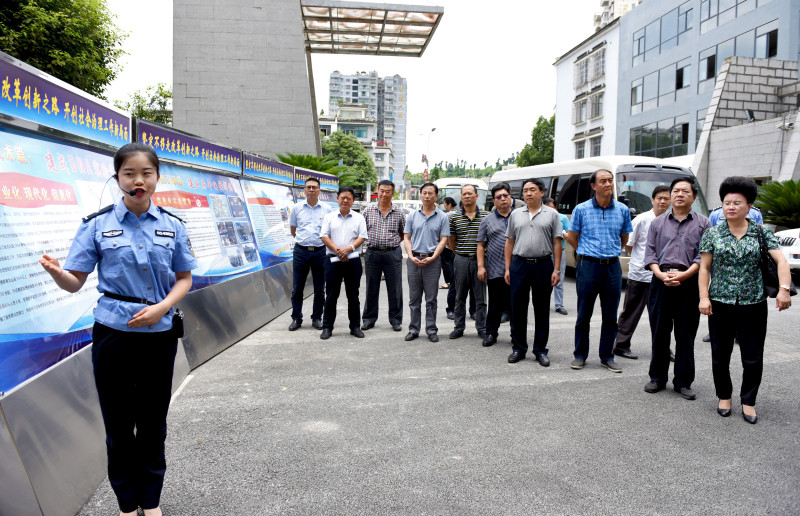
368,28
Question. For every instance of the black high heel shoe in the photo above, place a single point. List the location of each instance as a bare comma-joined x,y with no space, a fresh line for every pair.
750,419
723,412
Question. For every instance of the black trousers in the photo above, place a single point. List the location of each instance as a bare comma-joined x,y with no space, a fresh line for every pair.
534,279
133,375
673,308
749,324
349,272
390,263
636,296
499,303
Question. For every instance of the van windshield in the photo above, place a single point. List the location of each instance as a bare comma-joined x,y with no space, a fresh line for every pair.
636,188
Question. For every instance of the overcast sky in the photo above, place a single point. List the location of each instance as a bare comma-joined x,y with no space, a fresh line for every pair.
483,81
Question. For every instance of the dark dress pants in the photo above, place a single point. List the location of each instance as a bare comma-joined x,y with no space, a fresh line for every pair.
303,262
451,290
596,279
749,324
673,308
133,375
534,278
389,263
636,296
466,280
499,303
349,272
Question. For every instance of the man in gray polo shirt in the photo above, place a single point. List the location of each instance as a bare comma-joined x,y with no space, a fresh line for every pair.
424,237
533,239
491,259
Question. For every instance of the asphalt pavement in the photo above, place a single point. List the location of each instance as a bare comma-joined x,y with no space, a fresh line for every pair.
286,423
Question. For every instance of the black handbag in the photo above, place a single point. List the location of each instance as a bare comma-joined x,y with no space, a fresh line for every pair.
769,269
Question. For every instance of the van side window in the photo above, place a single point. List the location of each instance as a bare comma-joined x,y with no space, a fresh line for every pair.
568,194
585,191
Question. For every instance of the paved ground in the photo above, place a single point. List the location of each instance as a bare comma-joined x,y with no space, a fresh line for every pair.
285,423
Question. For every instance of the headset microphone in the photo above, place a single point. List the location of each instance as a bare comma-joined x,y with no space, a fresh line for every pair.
132,193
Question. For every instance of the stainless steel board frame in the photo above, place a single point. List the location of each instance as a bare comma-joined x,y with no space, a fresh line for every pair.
16,493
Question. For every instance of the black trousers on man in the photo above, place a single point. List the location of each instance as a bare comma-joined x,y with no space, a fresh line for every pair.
499,303
336,272
390,264
673,308
748,323
534,279
133,375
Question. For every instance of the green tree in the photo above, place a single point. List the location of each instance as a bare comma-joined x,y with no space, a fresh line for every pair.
779,203
154,104
541,148
358,166
74,40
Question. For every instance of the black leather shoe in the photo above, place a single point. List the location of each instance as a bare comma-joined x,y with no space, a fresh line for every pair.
472,315
316,323
653,387
451,314
433,337
397,327
543,360
295,324
367,326
671,356
326,333
456,334
515,357
489,340
411,336
707,338
355,332
625,353
686,392
750,419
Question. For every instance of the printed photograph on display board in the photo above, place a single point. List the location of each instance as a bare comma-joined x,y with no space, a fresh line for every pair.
213,208
269,206
46,187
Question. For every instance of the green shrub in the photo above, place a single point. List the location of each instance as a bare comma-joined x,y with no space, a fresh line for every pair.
779,203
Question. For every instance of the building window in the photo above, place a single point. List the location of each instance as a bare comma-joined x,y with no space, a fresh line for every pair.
595,146
637,90
714,13
581,73
684,21
767,41
596,106
683,75
579,111
638,47
598,64
707,69
580,149
663,139
662,34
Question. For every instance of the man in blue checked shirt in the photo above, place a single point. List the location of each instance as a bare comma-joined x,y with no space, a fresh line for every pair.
305,222
598,230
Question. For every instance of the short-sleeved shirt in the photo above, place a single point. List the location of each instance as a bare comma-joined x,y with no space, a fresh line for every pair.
564,222
533,237
638,242
343,230
308,221
716,216
600,229
384,231
493,231
135,257
735,274
466,231
673,242
427,231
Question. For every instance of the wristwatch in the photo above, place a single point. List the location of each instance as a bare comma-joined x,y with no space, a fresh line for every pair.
786,287
557,272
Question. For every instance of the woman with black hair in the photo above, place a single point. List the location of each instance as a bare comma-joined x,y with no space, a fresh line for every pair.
144,263
732,293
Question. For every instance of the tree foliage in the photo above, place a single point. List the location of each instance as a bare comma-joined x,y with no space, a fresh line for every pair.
541,148
358,168
74,40
779,203
154,104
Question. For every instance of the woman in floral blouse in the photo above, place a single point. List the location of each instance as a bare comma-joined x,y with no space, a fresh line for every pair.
735,298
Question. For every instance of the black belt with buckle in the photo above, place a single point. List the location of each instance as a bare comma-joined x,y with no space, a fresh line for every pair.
312,248
540,259
382,249
421,255
129,299
601,261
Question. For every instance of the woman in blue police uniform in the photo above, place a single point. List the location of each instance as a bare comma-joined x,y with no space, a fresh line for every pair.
144,262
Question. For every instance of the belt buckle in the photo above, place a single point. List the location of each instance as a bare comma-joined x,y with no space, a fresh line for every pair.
312,248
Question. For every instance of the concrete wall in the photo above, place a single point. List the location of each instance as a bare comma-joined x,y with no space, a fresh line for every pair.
766,148
240,74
